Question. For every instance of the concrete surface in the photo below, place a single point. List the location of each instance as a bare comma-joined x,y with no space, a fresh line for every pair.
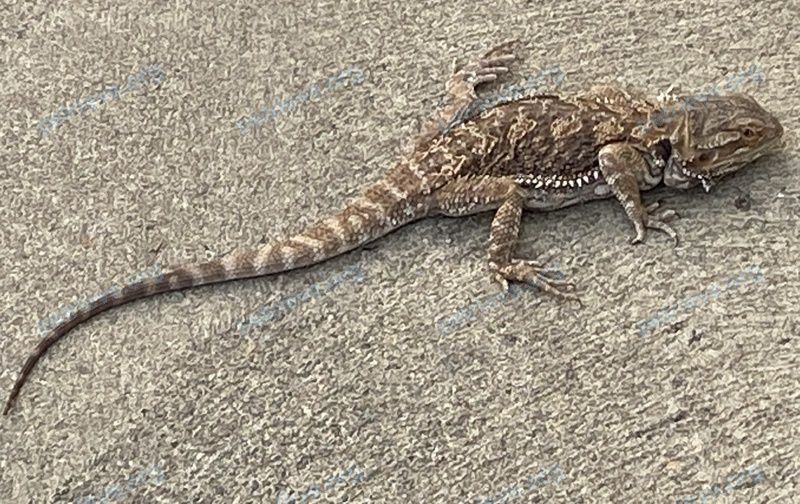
394,373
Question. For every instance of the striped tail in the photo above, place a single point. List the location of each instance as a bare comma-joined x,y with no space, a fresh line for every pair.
388,204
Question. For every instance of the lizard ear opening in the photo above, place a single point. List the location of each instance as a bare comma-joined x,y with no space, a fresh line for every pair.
707,156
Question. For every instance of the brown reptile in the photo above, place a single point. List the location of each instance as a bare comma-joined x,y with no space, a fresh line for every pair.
540,152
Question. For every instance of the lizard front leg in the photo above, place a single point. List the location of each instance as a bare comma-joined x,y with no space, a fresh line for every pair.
626,171
472,195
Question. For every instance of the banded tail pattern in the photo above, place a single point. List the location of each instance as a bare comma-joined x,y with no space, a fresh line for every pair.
390,203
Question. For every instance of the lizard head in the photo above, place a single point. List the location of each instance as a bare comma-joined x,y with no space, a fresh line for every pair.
717,136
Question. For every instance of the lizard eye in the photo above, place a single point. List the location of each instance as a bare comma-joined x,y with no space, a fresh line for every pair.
749,133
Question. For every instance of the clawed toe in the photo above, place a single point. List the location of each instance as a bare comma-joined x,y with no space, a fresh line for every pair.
501,280
476,80
664,228
490,67
660,225
668,215
664,214
482,72
652,207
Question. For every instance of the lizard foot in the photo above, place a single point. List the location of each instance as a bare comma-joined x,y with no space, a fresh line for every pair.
658,224
482,70
658,221
533,273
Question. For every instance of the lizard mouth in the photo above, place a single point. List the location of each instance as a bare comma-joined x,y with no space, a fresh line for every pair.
705,181
679,176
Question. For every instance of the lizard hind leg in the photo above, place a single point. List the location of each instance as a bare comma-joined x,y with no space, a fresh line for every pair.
461,100
471,195
461,86
504,267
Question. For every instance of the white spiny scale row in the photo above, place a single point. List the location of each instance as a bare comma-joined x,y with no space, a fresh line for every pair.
539,181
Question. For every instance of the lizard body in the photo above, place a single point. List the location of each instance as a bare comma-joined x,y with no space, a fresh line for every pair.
541,152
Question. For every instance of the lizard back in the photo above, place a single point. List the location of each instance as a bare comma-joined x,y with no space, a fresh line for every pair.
549,144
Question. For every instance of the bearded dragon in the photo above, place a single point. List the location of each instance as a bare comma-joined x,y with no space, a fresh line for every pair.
539,152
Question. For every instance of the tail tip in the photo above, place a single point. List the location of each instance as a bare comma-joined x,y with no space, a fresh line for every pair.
9,405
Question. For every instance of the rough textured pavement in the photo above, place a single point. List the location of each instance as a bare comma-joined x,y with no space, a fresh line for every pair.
138,137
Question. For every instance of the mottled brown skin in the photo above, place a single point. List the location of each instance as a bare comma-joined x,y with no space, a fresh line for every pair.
541,152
